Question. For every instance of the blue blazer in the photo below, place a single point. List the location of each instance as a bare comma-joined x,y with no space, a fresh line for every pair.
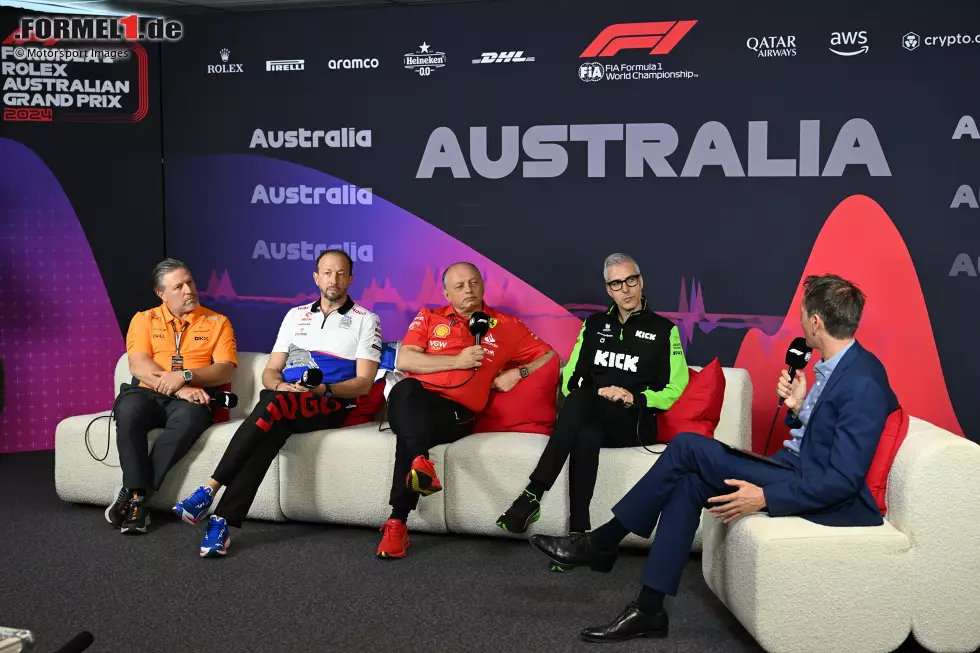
838,446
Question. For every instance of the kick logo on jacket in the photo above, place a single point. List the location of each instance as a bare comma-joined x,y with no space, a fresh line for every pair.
620,361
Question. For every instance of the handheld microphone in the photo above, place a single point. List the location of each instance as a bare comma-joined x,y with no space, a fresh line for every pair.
797,356
312,377
479,325
223,400
79,642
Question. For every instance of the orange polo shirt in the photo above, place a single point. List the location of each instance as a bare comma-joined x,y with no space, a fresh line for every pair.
205,337
441,332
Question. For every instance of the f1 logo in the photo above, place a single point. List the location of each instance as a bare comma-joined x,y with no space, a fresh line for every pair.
659,37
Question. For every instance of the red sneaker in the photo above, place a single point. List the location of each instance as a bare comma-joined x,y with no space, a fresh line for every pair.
422,478
395,541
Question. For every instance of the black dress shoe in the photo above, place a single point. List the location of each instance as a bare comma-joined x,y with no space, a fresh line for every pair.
576,550
629,624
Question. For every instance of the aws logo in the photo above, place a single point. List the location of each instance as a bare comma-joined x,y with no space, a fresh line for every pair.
849,44
623,362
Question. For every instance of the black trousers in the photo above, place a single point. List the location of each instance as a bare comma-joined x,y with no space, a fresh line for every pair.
586,423
137,412
420,419
257,442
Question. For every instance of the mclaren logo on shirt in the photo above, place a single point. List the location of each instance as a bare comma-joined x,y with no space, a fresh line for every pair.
619,361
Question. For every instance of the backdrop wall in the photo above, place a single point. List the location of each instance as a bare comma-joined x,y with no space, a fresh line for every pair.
731,150
81,226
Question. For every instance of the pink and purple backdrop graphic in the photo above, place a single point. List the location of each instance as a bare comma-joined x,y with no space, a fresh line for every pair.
215,227
59,338
409,255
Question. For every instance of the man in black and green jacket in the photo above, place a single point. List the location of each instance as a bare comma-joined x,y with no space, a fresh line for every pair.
627,365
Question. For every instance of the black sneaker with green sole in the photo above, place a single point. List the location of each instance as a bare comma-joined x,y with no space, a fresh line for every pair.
525,510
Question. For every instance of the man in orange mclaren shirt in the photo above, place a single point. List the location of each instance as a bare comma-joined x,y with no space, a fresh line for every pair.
176,351
448,381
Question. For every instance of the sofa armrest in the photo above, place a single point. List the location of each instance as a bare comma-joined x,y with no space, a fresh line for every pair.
933,488
735,427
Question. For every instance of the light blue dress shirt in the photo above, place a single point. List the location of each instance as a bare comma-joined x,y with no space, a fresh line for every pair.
822,370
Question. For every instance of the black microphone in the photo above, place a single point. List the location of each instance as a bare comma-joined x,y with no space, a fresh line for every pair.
479,325
79,642
797,356
222,399
312,377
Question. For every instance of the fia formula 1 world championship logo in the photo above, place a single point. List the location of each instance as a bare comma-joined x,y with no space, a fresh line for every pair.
658,38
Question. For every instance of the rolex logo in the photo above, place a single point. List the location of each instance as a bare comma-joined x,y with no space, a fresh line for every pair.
224,67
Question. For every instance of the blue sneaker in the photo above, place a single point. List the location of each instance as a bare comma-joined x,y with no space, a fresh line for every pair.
195,507
217,539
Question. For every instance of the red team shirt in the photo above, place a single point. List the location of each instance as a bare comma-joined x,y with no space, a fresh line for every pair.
442,332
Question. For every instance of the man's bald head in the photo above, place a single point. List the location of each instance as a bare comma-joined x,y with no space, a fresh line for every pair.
465,265
463,287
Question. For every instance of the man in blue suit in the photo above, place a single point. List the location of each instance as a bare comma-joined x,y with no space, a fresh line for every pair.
835,429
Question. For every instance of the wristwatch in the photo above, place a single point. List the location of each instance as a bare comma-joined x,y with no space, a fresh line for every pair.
188,376
329,390
524,372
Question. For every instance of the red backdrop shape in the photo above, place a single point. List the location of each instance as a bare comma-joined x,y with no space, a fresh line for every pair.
860,243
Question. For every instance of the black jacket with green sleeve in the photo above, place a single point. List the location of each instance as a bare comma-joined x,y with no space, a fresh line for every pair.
642,355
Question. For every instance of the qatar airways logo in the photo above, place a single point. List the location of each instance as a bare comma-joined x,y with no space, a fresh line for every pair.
646,148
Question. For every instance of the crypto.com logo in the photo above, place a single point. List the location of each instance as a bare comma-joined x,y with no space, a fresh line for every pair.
659,37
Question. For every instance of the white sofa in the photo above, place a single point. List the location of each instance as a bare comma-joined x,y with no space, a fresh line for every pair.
796,586
80,478
310,480
800,587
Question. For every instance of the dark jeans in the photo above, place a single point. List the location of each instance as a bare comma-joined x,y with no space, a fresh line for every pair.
257,442
420,419
139,410
587,423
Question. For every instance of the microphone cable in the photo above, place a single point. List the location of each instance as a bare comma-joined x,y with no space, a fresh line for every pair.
125,389
451,387
108,432
639,439
765,452
384,414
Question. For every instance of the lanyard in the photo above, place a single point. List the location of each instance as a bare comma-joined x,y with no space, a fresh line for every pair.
178,337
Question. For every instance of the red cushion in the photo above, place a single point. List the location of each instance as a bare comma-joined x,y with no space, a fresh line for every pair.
221,415
528,408
698,410
896,428
368,406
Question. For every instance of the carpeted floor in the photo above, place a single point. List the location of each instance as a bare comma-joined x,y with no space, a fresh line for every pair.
307,587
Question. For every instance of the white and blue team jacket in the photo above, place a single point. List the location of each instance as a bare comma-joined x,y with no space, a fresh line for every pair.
331,343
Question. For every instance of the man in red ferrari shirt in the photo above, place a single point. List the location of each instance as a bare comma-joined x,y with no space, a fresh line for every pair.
448,381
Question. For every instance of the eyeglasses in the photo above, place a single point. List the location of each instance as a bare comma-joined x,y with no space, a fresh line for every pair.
630,281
